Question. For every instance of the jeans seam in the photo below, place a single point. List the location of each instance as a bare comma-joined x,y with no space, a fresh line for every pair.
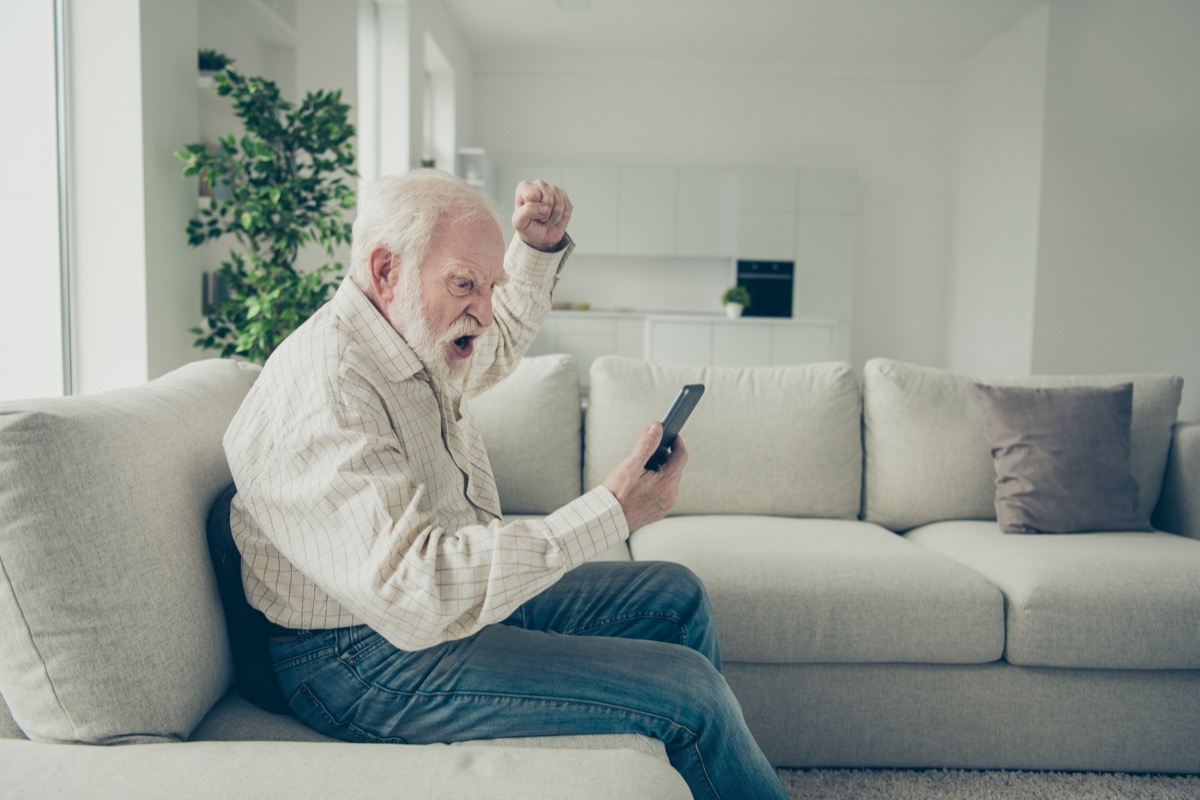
601,623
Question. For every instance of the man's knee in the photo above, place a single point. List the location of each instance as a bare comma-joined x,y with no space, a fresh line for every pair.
679,581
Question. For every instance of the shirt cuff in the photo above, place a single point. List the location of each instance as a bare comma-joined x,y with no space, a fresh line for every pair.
535,265
589,525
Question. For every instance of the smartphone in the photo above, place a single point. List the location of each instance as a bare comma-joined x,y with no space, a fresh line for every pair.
676,415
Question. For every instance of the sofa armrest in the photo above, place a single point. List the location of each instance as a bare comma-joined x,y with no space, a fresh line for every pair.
1178,509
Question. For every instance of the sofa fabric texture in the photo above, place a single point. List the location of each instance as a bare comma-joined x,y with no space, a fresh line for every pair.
536,454
795,431
1095,600
112,586
789,591
927,456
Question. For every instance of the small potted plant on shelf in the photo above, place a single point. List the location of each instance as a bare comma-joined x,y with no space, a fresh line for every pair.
735,299
209,60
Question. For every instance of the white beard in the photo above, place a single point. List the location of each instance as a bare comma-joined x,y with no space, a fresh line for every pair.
408,316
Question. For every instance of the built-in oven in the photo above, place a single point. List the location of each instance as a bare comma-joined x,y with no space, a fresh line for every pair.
770,286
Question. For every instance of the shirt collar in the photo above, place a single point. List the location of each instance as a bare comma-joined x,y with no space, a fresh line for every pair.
395,358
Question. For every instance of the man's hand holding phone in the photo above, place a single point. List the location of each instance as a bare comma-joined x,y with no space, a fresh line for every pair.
647,495
647,483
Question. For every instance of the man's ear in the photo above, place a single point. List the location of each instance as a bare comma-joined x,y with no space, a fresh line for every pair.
385,274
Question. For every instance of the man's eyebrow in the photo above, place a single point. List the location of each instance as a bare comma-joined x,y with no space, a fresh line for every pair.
459,272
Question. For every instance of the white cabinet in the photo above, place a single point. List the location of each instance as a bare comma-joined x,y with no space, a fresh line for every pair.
595,196
679,342
739,343
704,225
766,235
647,212
766,221
766,189
588,337
801,344
825,253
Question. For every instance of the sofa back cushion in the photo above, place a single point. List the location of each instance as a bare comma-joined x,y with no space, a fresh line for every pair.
763,440
530,423
112,625
927,453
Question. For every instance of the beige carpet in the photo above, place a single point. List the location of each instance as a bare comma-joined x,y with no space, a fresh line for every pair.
847,784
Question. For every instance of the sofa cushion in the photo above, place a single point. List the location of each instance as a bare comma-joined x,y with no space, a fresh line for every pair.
1062,458
764,440
1095,600
112,625
530,423
549,770
813,590
927,455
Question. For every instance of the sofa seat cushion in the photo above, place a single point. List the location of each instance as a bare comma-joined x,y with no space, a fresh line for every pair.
1095,600
291,770
763,440
818,590
112,626
927,454
234,719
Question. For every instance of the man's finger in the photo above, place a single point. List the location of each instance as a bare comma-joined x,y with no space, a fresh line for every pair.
529,193
647,443
678,457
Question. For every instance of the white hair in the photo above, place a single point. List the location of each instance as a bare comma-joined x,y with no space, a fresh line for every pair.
402,213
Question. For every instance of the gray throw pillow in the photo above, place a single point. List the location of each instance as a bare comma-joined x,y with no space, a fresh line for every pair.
1062,458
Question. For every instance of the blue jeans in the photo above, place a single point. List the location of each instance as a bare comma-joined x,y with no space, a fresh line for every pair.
613,647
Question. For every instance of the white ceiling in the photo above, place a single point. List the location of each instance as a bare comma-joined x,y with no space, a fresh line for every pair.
912,32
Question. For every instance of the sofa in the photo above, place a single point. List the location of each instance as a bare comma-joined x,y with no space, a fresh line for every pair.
871,610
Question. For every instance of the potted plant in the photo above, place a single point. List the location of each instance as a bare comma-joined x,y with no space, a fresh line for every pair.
212,60
284,186
735,299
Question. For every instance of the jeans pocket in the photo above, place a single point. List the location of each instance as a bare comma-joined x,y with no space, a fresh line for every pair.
359,643
312,712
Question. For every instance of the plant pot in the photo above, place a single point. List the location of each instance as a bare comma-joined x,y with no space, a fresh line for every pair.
733,310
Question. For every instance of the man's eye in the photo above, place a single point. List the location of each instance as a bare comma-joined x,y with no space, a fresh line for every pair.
462,286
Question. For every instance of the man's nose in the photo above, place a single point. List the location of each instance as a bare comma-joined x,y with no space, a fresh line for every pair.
481,311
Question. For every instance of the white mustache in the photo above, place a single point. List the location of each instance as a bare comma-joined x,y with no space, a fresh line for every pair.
461,328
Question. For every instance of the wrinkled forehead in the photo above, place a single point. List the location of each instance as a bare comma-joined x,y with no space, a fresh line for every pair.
472,248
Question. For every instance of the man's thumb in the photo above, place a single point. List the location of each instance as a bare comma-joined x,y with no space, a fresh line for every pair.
648,442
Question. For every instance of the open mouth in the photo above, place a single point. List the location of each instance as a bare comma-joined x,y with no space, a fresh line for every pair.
462,346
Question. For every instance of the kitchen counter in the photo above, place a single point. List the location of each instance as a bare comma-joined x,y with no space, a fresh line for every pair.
686,316
697,338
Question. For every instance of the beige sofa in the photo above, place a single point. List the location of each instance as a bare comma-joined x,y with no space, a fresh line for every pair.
871,612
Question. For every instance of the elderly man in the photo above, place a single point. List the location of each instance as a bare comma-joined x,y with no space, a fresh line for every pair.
406,609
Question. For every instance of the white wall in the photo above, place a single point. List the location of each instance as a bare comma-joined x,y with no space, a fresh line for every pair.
108,203
1118,283
403,27
893,126
999,101
169,121
30,318
132,104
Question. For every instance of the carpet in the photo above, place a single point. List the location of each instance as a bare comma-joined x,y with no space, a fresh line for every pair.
883,784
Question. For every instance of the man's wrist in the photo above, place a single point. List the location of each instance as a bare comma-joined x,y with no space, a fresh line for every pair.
555,248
